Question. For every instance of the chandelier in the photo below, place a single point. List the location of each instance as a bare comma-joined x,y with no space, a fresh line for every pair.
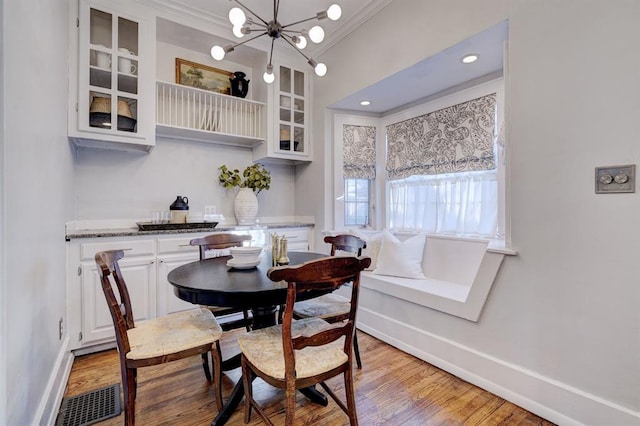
296,38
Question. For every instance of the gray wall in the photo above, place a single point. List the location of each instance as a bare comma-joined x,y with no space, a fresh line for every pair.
37,185
566,308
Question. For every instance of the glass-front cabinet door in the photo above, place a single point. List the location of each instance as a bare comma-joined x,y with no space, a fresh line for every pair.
288,118
113,99
292,111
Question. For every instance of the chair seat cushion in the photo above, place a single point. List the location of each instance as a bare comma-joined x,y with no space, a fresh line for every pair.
263,348
325,306
172,333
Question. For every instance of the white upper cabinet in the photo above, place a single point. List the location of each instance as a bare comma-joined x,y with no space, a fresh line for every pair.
112,77
288,118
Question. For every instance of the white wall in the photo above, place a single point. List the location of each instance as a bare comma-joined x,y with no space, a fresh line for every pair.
141,183
566,309
38,194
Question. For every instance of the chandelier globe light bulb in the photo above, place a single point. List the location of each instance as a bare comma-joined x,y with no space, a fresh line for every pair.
334,12
237,16
237,31
217,53
268,77
300,41
316,34
320,69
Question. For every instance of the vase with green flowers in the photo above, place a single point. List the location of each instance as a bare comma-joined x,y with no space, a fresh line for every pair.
253,179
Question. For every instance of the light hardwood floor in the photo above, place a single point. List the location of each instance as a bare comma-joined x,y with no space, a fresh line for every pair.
393,388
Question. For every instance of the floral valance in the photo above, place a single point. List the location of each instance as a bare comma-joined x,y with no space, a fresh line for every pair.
359,151
454,139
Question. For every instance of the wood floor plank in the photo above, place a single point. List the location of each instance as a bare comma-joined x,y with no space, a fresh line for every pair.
393,388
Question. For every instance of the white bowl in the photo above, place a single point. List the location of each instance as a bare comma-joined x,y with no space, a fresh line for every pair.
245,254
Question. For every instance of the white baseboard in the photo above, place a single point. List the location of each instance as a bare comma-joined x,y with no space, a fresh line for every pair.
548,398
54,392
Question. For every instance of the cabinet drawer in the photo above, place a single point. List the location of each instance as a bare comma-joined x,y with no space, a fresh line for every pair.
176,245
132,248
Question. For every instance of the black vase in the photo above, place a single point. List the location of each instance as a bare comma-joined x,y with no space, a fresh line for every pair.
239,84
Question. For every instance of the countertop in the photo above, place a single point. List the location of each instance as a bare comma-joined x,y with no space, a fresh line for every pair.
129,232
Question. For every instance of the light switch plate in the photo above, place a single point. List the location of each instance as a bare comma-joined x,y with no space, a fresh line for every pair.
616,179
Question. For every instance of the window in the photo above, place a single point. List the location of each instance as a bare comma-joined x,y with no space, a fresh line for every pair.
355,170
444,175
442,167
357,202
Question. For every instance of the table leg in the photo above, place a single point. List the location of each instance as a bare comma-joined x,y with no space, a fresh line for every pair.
230,406
264,317
315,396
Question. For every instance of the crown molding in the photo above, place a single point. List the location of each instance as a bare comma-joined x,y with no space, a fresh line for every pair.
218,25
360,17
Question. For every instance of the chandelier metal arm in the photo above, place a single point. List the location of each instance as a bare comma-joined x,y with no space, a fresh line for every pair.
247,40
271,52
300,22
309,60
276,8
251,12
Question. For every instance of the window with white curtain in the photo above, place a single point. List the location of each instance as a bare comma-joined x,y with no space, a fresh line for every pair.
442,172
452,203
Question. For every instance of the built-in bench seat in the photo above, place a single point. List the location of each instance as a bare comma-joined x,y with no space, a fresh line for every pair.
459,274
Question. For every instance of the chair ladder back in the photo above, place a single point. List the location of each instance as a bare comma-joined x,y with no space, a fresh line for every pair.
346,242
218,242
121,313
319,275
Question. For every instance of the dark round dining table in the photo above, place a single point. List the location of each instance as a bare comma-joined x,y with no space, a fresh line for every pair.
211,282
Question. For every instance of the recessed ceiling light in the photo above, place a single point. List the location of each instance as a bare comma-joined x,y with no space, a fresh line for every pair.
365,103
470,58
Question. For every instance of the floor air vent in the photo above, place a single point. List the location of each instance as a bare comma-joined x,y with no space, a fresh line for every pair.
90,407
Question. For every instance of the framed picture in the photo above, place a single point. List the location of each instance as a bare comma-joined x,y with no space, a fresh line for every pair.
203,77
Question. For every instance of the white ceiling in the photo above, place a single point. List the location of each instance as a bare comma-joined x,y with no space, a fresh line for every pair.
435,74
426,78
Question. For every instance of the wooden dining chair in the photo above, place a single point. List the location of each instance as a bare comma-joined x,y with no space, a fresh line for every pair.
330,307
158,340
299,354
221,242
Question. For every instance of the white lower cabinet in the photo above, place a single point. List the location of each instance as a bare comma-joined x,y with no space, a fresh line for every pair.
147,262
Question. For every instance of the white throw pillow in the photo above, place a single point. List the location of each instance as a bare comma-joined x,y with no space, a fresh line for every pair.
373,246
401,258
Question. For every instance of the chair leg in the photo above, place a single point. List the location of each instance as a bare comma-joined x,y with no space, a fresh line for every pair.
205,365
129,393
356,351
248,390
216,359
350,393
290,409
